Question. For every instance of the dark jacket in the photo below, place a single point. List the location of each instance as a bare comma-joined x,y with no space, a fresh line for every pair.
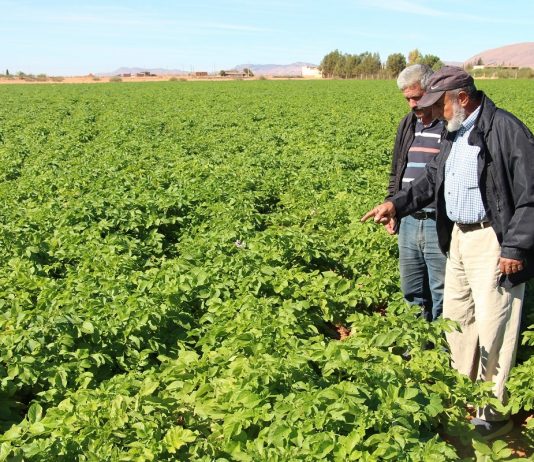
506,182
403,141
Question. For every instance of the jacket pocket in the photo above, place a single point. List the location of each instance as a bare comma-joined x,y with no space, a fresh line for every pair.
495,191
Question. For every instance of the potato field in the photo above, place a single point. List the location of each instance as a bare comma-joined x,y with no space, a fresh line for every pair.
179,262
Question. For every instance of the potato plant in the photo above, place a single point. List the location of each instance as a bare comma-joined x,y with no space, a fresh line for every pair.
175,259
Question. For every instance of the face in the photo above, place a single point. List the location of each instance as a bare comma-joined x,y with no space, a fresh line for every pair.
450,110
412,95
440,106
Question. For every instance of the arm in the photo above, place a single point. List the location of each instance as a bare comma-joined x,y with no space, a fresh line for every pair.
517,144
420,193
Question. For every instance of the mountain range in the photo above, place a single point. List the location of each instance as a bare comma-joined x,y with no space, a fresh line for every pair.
290,70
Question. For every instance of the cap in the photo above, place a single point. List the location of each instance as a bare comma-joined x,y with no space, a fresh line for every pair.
447,78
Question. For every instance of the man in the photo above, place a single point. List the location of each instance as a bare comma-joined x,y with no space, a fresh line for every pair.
421,262
483,185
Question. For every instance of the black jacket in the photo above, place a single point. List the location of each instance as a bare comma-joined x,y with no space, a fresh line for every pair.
506,182
403,141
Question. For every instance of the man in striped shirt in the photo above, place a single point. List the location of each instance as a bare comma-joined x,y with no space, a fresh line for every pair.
421,262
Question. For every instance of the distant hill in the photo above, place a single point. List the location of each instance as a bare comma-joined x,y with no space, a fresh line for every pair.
519,54
294,69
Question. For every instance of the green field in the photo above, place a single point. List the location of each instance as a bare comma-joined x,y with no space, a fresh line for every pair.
175,258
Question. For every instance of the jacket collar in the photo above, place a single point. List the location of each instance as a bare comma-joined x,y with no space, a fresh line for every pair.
487,113
484,120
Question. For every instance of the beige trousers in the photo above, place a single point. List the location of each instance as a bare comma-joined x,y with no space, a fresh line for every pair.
489,315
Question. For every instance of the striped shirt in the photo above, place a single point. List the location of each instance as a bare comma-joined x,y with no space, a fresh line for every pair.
462,194
425,146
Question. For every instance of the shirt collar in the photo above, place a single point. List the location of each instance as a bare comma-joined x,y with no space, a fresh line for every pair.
430,125
468,123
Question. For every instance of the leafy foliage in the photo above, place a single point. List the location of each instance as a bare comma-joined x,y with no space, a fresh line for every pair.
173,261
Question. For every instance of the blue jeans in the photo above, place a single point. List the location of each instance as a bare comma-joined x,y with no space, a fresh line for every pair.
422,266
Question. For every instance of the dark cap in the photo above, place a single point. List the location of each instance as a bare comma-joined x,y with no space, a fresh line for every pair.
447,78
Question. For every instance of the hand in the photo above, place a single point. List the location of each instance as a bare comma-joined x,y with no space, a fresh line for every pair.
390,226
382,213
510,266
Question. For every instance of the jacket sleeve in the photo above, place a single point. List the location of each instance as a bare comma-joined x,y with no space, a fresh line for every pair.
419,194
517,143
397,148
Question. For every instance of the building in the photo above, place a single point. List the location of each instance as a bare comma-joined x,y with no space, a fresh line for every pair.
493,67
233,73
311,72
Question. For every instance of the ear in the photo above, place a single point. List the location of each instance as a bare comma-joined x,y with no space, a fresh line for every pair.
463,98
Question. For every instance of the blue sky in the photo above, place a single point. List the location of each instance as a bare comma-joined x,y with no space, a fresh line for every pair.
60,37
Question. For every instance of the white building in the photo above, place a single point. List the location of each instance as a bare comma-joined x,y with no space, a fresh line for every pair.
311,72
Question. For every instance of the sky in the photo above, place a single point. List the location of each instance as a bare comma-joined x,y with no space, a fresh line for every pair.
71,37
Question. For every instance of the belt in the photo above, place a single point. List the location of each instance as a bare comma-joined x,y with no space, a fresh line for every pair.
424,215
466,227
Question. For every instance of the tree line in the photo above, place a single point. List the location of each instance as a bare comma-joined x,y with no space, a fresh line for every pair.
368,65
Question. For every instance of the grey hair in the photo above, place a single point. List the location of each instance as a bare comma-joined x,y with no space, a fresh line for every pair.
411,75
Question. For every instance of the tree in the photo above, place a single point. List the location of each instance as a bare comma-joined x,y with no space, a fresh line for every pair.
339,70
370,64
395,63
352,62
330,62
347,66
414,57
248,72
432,61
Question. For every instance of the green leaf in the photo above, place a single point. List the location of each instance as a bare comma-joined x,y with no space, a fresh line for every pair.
35,413
501,450
248,399
87,327
410,393
12,434
435,406
278,434
148,387
482,448
178,437
385,339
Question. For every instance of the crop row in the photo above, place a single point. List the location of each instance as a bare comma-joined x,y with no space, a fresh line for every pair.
175,259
